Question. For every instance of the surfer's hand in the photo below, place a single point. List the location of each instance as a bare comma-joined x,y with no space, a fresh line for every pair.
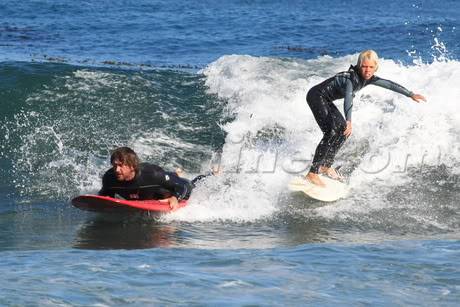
348,130
418,98
173,202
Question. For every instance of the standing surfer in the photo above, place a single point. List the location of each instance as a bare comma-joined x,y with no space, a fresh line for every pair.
335,128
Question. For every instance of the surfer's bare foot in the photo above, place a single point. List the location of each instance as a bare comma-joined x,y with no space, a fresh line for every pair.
180,172
314,178
331,173
216,170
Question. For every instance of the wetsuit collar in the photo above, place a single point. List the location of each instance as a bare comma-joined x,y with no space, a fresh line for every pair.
356,70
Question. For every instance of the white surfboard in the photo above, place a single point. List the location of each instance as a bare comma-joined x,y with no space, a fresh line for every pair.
333,190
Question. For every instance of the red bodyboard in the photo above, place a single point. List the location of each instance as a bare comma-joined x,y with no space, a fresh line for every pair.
107,204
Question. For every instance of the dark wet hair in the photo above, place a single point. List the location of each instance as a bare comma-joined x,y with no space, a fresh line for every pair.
126,156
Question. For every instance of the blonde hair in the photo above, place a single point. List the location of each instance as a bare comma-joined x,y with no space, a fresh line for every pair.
368,55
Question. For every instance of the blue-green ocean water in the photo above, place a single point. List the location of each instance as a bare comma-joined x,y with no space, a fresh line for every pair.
191,84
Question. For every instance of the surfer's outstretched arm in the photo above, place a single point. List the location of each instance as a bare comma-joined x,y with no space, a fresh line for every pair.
395,87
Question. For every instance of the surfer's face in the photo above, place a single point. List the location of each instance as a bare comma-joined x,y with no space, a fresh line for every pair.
367,69
122,171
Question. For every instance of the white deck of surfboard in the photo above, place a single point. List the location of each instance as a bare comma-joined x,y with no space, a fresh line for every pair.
333,190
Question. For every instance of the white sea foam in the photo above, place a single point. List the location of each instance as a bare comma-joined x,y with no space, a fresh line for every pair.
392,134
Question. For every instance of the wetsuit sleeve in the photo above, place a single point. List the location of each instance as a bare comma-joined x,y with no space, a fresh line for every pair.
348,100
178,187
393,86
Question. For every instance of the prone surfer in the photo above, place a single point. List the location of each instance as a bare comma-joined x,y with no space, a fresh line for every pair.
130,179
335,128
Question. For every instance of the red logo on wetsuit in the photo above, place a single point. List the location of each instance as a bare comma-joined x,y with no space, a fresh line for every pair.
134,196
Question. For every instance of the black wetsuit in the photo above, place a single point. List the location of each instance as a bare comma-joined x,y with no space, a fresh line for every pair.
320,99
150,182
